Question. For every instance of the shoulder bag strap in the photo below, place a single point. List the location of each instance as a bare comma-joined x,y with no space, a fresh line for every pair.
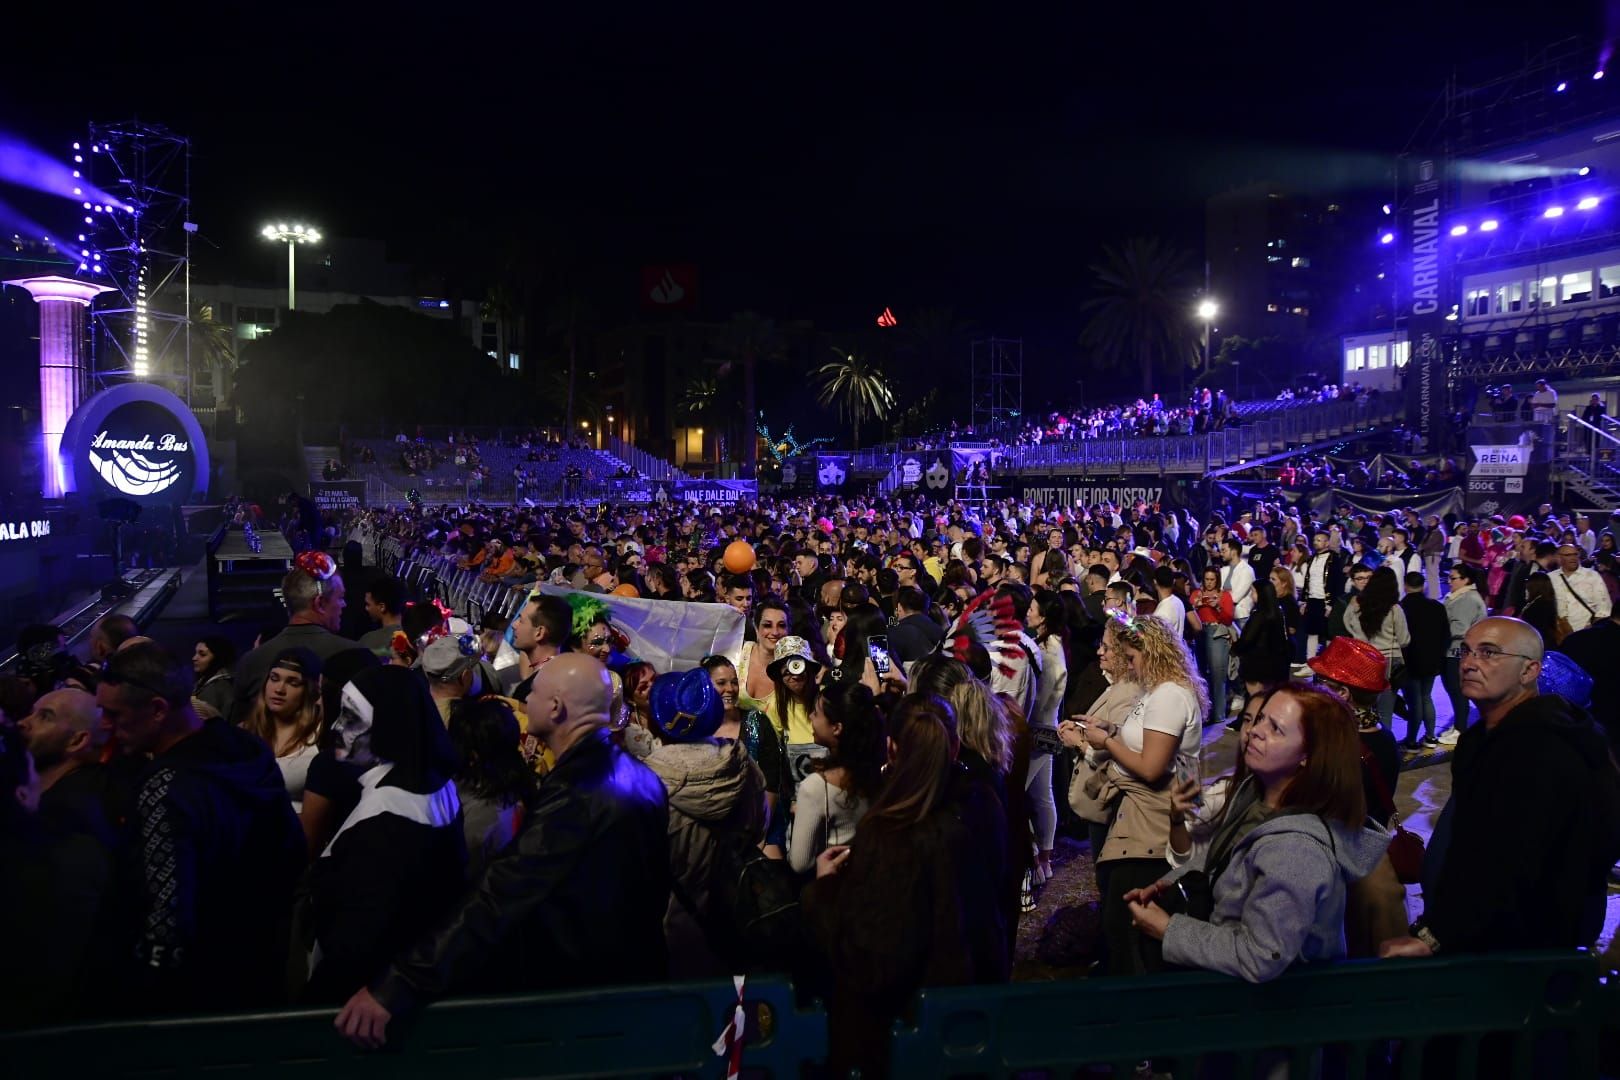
1562,577
1370,765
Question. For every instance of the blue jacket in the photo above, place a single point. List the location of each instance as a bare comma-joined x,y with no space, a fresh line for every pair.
1281,898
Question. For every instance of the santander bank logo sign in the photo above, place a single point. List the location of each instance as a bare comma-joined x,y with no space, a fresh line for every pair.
138,466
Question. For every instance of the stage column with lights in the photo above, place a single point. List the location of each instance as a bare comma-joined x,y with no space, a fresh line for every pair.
62,303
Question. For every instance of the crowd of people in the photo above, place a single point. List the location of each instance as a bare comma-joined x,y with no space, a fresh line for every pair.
381,804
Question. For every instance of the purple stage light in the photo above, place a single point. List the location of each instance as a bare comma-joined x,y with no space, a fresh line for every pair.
1387,238
1553,212
1598,74
1488,225
1561,87
1459,230
1387,210
1584,170
1588,203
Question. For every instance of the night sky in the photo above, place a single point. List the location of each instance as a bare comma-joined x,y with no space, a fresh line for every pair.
814,164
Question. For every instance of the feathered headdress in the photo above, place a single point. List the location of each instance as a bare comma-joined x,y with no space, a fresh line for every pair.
990,620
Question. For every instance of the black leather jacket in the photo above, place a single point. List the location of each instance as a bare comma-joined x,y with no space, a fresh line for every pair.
578,898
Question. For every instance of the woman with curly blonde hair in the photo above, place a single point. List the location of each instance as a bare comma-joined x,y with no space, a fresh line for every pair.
1160,738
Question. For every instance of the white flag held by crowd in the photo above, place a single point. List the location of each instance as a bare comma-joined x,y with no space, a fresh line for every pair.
672,635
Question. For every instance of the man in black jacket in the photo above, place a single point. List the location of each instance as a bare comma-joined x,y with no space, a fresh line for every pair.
1521,853
915,634
213,848
1425,658
578,899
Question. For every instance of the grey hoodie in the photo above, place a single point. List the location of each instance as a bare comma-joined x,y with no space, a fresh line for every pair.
1280,899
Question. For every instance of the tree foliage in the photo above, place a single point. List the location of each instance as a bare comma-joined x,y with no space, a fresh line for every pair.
857,387
369,364
1140,318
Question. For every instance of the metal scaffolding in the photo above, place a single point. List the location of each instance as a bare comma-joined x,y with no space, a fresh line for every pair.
142,329
998,385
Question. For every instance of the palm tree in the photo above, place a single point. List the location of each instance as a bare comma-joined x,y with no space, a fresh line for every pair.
1140,317
858,387
213,349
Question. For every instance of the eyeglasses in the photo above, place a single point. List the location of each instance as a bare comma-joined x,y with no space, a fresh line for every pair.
1488,654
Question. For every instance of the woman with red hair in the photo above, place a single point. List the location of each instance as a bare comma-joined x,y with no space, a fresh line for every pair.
1286,846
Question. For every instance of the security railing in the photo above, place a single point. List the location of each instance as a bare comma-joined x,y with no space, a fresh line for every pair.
1520,1016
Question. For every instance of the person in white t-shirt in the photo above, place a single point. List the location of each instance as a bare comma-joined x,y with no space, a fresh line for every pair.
1159,738
1169,610
1237,578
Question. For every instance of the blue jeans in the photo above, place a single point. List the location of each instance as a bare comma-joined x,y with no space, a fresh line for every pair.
1451,679
1217,647
1418,691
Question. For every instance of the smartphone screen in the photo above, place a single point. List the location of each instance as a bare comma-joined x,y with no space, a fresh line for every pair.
878,647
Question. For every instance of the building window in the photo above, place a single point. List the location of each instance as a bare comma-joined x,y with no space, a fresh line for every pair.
1403,352
1575,288
1608,282
1355,359
1544,293
1479,302
514,362
1509,297
1300,262
1377,357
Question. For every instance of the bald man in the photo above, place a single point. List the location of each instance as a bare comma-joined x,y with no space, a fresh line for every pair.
578,899
65,736
1521,853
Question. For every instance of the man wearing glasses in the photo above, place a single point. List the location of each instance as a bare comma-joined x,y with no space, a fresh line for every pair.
1522,850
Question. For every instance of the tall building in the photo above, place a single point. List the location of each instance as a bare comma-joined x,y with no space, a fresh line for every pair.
1289,265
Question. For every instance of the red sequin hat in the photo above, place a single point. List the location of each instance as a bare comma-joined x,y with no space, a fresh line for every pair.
1353,663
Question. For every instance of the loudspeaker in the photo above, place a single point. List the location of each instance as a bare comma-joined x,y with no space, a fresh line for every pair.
118,510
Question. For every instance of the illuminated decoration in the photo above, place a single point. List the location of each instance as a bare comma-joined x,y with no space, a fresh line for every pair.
139,442
787,445
1489,225
139,242
1459,230
1387,238
1553,212
887,319
292,236
62,302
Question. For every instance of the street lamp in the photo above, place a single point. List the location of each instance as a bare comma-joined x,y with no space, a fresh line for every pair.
1207,310
292,236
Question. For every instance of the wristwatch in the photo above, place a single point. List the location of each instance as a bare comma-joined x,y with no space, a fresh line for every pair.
1425,935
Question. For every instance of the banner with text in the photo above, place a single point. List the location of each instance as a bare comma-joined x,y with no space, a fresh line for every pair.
1168,492
1427,297
337,496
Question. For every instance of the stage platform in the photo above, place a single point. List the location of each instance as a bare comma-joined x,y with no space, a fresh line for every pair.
243,583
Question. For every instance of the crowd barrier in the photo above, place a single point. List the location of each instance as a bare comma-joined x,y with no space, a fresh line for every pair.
1521,1015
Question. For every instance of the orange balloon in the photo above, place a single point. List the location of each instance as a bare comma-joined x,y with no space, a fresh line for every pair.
627,589
739,557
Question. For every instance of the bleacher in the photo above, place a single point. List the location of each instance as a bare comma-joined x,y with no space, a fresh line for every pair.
544,482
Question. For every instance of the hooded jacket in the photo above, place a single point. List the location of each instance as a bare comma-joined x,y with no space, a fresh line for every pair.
212,853
397,863
1520,857
715,793
1281,898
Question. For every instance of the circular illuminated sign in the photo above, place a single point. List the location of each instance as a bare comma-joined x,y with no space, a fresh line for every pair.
136,442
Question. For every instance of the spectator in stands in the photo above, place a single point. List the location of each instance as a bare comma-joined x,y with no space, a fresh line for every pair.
716,804
213,659
395,866
1544,403
313,593
914,902
1424,657
109,635
1278,879
214,849
385,606
1527,871
580,898
286,717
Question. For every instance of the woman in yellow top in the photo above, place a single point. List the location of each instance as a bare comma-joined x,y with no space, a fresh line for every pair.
770,627
793,675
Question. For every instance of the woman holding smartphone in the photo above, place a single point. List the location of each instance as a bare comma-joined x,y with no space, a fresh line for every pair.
834,796
1161,735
